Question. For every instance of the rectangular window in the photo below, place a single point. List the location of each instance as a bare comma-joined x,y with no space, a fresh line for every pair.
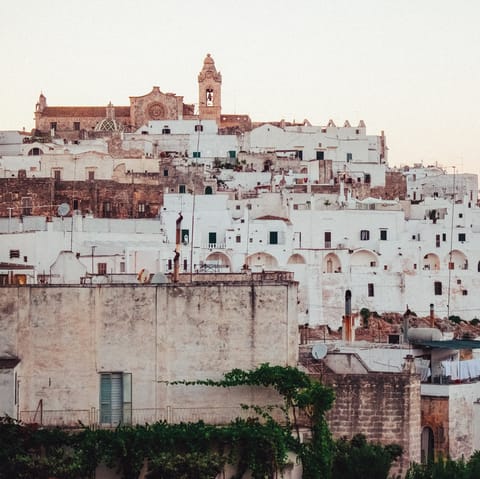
169,264
349,157
57,174
185,265
196,154
464,292
273,237
76,125
462,237
115,398
437,241
299,154
27,205
185,236
371,290
198,127
53,125
102,268
437,286
165,172
14,253
107,209
212,238
238,239
165,131
122,266
182,189
327,238
444,236
383,235
91,175
364,235
320,155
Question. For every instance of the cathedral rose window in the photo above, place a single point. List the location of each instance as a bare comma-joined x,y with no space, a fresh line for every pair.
156,111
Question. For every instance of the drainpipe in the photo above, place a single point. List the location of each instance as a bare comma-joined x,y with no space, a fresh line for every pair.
178,240
347,329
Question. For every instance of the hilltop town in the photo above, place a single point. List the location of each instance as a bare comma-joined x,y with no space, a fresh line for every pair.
163,241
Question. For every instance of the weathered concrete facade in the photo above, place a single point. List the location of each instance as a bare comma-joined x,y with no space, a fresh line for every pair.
66,337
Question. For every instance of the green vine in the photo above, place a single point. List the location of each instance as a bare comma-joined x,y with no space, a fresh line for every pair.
258,445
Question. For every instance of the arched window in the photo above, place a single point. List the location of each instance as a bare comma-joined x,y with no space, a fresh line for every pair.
35,152
208,190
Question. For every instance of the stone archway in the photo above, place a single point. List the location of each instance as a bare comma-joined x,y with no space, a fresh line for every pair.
217,262
331,264
431,261
261,261
427,445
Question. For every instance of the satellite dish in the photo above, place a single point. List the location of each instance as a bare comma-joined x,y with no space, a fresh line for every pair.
319,351
63,209
143,276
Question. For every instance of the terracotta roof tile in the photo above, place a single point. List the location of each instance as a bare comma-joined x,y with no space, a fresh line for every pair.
84,111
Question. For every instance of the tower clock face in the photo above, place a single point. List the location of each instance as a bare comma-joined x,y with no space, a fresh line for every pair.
156,111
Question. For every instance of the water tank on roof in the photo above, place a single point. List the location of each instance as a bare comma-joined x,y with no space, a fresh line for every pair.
417,335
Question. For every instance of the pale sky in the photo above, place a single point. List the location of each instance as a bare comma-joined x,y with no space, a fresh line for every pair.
408,67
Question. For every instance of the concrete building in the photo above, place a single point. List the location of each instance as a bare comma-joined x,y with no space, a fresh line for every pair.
62,347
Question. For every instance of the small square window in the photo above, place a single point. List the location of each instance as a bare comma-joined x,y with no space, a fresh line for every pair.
364,235
102,268
462,237
14,253
237,207
198,127
273,237
464,292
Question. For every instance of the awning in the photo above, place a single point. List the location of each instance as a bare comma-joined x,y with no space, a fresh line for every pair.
450,344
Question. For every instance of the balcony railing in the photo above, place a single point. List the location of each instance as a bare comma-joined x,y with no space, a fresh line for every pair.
91,417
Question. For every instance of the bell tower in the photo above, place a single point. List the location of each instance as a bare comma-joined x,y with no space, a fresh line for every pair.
209,91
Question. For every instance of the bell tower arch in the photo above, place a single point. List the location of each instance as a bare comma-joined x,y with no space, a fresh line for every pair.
209,91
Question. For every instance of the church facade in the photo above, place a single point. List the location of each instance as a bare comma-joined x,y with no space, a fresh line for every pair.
81,122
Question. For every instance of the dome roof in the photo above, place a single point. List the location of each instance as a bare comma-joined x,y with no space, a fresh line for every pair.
108,124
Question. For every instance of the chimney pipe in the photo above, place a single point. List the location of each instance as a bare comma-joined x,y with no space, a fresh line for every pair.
432,316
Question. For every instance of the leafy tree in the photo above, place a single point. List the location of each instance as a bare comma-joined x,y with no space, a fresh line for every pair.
359,459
